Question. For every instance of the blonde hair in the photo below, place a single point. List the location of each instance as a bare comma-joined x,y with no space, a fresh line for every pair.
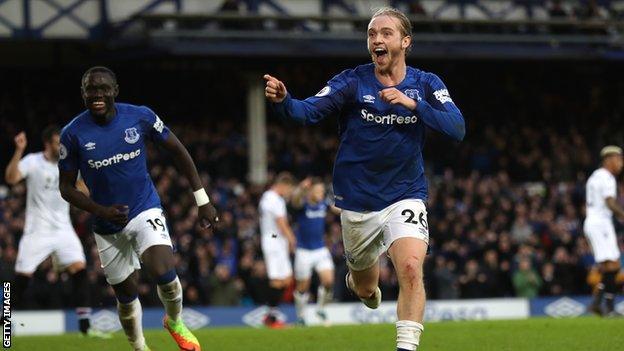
405,26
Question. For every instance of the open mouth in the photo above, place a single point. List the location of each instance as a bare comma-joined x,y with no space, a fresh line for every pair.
98,105
380,52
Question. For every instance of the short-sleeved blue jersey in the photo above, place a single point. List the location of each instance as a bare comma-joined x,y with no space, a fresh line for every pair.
112,159
379,160
311,225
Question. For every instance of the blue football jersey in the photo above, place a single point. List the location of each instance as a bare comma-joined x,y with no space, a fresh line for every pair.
112,159
379,160
311,225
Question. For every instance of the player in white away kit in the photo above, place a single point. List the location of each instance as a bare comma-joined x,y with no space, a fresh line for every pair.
383,110
278,241
312,253
48,230
601,195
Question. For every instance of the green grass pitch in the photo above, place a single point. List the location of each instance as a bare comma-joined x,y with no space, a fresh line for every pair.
588,333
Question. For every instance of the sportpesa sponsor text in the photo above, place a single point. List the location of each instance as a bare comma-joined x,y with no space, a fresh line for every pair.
114,159
388,119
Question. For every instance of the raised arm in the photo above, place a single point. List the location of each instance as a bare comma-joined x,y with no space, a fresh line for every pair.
185,165
298,196
326,102
12,174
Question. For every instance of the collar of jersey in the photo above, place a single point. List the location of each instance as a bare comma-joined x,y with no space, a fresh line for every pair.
110,124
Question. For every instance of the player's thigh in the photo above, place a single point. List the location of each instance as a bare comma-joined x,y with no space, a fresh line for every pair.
603,240
324,266
117,256
406,219
150,229
68,250
277,260
362,238
32,250
303,264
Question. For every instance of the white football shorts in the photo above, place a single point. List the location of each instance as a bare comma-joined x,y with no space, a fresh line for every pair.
366,235
35,247
307,260
276,257
120,253
602,238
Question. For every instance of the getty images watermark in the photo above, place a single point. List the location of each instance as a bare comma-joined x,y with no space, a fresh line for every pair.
6,315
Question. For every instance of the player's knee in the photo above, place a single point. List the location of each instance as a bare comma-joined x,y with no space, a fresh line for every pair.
411,275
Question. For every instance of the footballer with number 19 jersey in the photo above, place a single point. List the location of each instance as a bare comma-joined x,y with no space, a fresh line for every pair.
106,144
112,159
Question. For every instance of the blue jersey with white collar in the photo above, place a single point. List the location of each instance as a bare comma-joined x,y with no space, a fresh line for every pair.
311,225
379,160
112,159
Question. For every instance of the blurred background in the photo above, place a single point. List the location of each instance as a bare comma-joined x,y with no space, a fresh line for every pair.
539,83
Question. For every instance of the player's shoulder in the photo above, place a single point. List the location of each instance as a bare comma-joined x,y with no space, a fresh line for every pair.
271,197
137,111
429,78
33,157
76,123
603,173
348,75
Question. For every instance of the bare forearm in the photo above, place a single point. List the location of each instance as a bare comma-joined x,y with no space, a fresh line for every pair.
183,161
12,174
285,229
615,207
297,197
80,200
185,165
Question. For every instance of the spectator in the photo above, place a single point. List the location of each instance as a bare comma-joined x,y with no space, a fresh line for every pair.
526,281
224,290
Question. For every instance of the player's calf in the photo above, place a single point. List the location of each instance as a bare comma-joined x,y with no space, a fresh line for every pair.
370,296
130,316
170,293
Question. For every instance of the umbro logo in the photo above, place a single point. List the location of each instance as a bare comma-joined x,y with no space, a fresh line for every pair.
369,99
90,145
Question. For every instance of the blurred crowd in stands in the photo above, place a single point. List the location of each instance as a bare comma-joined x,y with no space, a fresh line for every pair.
505,209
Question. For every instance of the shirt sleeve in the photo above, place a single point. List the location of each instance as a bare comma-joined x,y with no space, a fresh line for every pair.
609,188
329,100
25,165
68,153
153,126
438,111
277,207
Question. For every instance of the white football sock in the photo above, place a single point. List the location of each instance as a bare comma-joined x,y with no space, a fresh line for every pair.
408,334
301,301
324,296
130,316
171,296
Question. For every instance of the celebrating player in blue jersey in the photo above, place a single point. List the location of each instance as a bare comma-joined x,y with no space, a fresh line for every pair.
379,181
309,200
107,145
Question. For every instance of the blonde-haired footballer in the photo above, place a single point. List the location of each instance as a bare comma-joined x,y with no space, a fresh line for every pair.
601,195
383,109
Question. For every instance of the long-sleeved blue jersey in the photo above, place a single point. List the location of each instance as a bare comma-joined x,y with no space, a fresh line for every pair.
379,161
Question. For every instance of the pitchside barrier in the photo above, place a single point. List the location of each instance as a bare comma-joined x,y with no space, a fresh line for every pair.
58,322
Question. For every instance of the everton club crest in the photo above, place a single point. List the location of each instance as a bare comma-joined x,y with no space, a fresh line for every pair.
132,136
